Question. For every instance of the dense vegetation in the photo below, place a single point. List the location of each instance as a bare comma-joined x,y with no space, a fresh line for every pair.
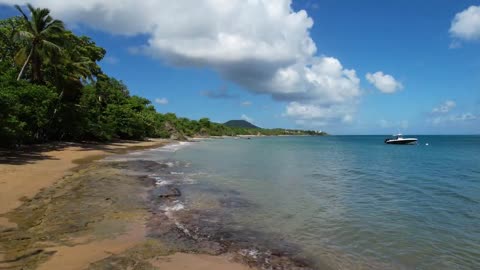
52,88
240,124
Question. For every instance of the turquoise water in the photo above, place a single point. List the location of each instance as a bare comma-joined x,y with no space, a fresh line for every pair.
352,201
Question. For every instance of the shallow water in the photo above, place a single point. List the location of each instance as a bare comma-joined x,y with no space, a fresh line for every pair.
342,201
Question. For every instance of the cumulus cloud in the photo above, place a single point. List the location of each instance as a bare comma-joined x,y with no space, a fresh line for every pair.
466,24
161,101
246,118
329,92
323,80
384,82
445,107
262,45
318,115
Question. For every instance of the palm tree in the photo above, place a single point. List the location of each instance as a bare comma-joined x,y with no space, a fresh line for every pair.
38,38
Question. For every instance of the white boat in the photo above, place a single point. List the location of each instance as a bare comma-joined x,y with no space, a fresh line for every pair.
398,139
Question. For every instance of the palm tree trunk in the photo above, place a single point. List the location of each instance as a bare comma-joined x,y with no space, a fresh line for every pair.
36,69
25,64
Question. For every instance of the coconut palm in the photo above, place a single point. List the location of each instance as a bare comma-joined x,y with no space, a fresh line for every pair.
38,39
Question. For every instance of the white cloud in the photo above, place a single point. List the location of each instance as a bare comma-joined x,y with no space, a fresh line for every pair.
263,45
246,103
318,115
466,24
161,101
442,114
445,107
443,119
384,82
322,80
246,118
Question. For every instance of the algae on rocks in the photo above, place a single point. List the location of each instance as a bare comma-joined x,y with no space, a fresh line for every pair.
96,202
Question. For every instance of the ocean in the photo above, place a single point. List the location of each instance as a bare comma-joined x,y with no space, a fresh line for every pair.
338,202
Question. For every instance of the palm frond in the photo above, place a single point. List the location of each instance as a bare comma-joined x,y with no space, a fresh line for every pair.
43,18
49,46
23,36
25,17
26,20
21,56
36,20
53,27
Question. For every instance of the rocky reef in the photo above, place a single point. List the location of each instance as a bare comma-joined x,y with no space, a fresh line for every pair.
102,200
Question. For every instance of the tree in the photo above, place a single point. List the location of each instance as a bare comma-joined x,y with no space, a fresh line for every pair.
24,111
8,47
75,65
38,39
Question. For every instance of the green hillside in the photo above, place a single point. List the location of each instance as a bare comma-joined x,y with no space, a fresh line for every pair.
239,124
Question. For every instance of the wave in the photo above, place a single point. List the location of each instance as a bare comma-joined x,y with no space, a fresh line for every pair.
171,147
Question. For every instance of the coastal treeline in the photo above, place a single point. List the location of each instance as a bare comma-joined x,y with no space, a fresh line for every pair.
52,88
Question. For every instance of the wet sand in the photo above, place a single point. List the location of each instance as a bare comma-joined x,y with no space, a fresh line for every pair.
60,210
25,172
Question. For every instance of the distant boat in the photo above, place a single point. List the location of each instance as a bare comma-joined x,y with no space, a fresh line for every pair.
398,139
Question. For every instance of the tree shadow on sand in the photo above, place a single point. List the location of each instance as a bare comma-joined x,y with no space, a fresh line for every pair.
31,153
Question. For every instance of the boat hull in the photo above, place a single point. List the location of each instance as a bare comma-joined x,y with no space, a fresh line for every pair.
404,141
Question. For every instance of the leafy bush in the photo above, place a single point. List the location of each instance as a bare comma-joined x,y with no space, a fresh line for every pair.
26,112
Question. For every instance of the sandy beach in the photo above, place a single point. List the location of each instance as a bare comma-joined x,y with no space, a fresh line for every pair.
58,213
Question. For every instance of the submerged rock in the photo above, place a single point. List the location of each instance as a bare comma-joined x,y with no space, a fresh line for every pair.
235,202
168,192
139,165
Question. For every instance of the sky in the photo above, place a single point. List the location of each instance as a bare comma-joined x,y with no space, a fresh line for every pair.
341,66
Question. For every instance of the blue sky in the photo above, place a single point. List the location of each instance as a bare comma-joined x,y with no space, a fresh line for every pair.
429,81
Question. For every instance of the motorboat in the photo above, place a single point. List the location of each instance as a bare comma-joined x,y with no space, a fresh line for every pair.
399,139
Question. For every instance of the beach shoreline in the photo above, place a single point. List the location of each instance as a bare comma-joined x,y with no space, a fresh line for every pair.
48,181
29,169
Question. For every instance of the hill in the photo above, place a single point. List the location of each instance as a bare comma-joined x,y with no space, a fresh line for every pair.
239,124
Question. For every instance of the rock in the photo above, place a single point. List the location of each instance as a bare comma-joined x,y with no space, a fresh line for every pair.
235,202
168,192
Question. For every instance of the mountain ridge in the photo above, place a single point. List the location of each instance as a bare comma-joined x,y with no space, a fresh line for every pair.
240,124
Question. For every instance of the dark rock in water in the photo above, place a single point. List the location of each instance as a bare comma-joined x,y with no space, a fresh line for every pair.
203,231
168,192
235,202
139,165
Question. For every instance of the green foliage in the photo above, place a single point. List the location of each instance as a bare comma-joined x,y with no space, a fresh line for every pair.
52,88
38,39
240,124
108,111
8,47
25,111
